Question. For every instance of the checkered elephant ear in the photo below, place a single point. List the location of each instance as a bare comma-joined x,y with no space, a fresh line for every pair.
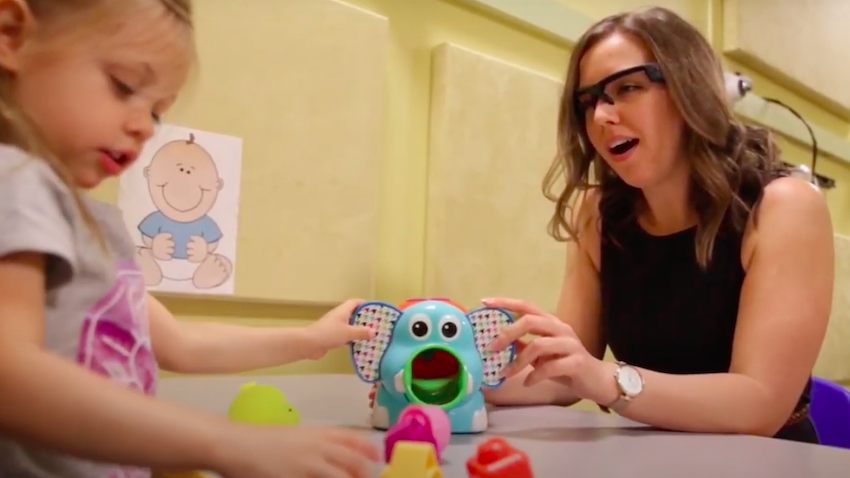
366,355
486,325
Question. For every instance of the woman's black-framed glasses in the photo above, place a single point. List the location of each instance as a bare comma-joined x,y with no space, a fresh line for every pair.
615,85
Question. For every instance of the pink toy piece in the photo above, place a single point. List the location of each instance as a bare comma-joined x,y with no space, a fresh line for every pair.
419,423
441,426
411,429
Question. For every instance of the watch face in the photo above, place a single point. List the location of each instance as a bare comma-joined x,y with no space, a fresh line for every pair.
630,381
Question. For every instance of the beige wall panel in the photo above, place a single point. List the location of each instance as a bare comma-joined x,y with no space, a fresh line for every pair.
694,11
802,42
302,81
492,138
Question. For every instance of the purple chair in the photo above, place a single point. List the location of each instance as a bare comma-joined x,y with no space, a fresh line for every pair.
830,412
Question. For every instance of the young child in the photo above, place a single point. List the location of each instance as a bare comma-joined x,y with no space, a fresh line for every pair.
82,84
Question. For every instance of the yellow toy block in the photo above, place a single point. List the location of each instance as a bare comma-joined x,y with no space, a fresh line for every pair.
413,460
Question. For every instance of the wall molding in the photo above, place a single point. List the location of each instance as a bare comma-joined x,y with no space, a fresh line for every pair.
565,25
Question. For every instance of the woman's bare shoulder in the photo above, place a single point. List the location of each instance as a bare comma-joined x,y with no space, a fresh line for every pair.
788,204
588,223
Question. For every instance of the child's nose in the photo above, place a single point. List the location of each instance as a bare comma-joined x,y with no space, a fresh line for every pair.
141,126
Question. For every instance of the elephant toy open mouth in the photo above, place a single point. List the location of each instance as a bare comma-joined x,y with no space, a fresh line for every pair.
434,375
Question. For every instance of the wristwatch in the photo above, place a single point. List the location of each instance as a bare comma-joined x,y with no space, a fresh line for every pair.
630,383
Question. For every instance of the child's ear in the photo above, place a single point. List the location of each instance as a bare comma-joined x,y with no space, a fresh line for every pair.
16,24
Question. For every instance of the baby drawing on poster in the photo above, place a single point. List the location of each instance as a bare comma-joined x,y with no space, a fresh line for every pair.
174,209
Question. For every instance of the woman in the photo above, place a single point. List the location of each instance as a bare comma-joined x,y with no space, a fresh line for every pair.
705,267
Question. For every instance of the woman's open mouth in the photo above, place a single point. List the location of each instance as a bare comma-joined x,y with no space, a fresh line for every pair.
622,148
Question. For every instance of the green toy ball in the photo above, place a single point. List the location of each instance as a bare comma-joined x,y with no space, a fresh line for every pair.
263,404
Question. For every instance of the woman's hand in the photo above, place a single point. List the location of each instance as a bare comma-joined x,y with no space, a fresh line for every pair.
557,354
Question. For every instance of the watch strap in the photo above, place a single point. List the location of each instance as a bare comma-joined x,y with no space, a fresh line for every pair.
622,398
616,405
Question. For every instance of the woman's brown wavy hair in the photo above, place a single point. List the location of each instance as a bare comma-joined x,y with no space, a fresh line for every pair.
729,160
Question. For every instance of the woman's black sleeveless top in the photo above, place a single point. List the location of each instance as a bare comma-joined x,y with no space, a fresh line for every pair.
662,312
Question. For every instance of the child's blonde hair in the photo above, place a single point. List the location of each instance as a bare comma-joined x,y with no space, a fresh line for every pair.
16,128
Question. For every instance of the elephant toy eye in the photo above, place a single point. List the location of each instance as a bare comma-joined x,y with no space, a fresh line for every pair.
420,326
449,327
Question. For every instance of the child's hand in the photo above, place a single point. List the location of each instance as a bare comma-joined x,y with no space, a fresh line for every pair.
333,329
297,452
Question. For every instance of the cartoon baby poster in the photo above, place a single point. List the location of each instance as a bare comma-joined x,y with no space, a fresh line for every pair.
181,205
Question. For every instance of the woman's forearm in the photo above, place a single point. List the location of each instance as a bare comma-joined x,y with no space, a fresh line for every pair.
707,403
513,392
49,401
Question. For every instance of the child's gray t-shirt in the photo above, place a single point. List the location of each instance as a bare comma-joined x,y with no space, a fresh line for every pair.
95,311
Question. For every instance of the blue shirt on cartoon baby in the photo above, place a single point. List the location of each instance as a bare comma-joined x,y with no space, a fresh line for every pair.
181,232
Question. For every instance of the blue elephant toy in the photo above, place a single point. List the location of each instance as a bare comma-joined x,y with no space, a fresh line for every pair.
430,352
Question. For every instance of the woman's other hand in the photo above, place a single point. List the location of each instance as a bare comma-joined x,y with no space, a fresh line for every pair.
555,354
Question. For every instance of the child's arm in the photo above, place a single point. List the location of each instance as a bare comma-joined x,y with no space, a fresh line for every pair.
208,347
55,403
200,347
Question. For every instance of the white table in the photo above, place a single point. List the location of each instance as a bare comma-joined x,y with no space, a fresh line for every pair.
559,441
